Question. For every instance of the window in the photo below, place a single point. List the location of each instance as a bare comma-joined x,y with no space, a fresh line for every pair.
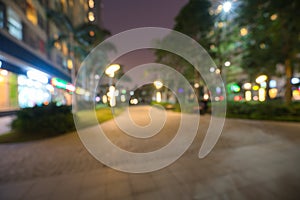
59,59
63,4
31,13
41,22
14,24
2,14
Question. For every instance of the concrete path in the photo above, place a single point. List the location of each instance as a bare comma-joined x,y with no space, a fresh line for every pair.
5,124
252,160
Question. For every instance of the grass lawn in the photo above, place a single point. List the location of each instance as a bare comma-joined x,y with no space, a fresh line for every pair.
102,114
12,137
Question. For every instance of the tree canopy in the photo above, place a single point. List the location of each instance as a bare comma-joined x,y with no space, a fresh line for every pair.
273,36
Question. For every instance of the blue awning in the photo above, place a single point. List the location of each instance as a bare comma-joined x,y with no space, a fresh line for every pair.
10,47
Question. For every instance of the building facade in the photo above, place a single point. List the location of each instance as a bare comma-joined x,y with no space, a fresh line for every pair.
32,72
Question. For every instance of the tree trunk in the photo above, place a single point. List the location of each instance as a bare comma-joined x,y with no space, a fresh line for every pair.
268,98
288,85
197,80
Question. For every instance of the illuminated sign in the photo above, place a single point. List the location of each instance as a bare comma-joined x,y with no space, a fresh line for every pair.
59,83
37,76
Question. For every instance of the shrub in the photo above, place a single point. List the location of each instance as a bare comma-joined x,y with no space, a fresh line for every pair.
48,120
266,110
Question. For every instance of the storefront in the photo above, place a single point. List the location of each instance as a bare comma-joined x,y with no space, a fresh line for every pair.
62,91
32,92
34,88
8,90
25,77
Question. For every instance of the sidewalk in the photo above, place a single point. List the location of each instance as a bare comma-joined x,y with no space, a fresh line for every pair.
252,160
5,124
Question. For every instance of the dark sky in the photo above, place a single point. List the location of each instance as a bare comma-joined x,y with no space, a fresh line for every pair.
122,15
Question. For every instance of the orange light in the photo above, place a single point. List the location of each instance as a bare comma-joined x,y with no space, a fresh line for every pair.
70,63
273,17
92,33
237,98
273,93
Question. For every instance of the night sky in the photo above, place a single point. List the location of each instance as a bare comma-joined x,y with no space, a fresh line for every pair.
121,15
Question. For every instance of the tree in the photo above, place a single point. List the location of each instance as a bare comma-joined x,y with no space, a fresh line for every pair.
273,36
195,21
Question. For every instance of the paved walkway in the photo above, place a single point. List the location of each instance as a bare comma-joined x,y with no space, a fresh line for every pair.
5,124
252,160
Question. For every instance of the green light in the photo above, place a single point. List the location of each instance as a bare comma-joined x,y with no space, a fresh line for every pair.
59,83
233,87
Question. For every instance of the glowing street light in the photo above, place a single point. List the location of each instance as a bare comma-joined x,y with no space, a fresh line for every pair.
247,86
262,91
91,16
158,97
227,63
261,94
158,84
111,95
261,79
243,31
91,3
248,93
295,80
227,6
110,71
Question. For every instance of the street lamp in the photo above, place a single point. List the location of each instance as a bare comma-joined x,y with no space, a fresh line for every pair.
260,79
227,63
110,72
227,6
262,90
196,85
222,26
158,85
248,93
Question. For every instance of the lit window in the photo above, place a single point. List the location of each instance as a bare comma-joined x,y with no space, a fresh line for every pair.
91,3
14,24
31,12
91,16
63,4
71,3
64,48
57,45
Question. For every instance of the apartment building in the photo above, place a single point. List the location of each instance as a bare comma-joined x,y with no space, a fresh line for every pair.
33,71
